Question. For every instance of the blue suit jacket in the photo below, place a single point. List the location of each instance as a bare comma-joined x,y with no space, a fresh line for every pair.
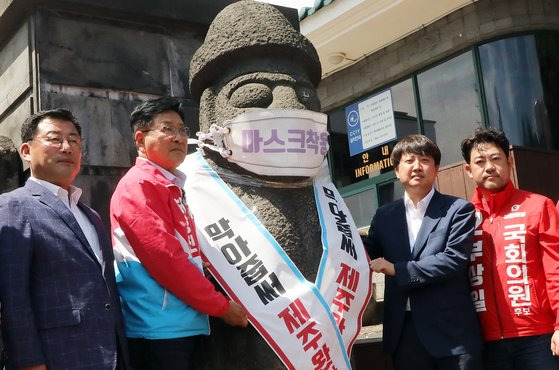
60,307
433,275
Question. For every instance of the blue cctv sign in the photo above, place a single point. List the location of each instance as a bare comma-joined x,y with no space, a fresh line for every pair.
370,122
353,129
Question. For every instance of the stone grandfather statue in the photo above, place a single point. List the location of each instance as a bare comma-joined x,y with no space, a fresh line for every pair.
253,59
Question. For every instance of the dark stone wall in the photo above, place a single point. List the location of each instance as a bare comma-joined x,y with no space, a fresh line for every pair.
101,71
10,165
166,13
93,53
15,83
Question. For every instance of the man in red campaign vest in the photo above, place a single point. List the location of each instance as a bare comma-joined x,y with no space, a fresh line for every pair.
514,263
166,299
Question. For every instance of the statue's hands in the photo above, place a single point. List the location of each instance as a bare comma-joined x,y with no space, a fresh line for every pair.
235,315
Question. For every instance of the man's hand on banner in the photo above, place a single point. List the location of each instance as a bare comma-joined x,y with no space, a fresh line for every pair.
555,342
206,265
235,315
382,266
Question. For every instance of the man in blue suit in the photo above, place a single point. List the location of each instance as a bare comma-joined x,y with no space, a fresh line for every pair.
422,244
60,306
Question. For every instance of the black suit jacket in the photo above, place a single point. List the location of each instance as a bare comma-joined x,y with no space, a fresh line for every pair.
433,275
60,306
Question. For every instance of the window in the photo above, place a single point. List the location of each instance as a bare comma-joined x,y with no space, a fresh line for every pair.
362,207
521,82
390,191
450,104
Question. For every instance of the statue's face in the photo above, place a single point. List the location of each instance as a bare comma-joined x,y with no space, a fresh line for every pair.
278,84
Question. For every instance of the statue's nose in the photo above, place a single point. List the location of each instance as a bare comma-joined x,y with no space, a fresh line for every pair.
285,97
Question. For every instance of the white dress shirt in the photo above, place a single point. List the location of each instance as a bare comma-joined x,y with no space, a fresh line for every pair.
71,201
414,219
415,214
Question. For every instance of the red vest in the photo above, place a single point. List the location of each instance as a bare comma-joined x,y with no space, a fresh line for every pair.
514,265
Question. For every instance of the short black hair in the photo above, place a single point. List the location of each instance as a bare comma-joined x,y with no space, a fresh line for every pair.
29,127
415,144
482,136
142,116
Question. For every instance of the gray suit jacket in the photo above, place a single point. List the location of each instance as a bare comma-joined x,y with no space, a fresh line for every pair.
433,275
60,307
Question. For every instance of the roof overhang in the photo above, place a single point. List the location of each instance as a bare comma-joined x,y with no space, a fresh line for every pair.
346,31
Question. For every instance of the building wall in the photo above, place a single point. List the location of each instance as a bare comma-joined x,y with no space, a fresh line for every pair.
102,70
475,23
16,82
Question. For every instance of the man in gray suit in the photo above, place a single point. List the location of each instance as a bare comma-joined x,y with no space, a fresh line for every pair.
60,306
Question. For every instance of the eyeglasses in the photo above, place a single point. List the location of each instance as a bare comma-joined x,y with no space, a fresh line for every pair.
172,132
57,142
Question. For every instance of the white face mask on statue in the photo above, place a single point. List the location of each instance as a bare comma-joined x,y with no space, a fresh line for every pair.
272,142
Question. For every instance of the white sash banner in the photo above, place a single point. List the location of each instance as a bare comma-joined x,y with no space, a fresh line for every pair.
309,326
344,277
